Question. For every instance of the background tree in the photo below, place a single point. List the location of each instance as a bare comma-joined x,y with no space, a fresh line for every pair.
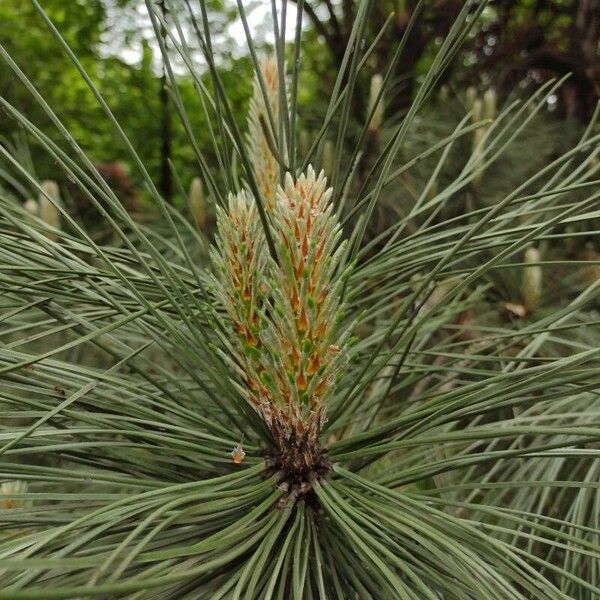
115,43
515,40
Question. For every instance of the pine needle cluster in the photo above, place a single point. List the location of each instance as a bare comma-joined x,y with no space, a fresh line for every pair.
397,430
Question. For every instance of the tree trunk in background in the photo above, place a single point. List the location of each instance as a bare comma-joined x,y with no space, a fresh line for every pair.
165,183
438,24
587,38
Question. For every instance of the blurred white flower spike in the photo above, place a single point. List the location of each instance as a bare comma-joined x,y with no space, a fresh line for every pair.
265,166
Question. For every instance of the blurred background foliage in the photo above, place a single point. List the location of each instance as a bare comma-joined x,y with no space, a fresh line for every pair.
517,45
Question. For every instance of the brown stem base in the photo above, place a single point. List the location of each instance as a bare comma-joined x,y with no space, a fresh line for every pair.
298,463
